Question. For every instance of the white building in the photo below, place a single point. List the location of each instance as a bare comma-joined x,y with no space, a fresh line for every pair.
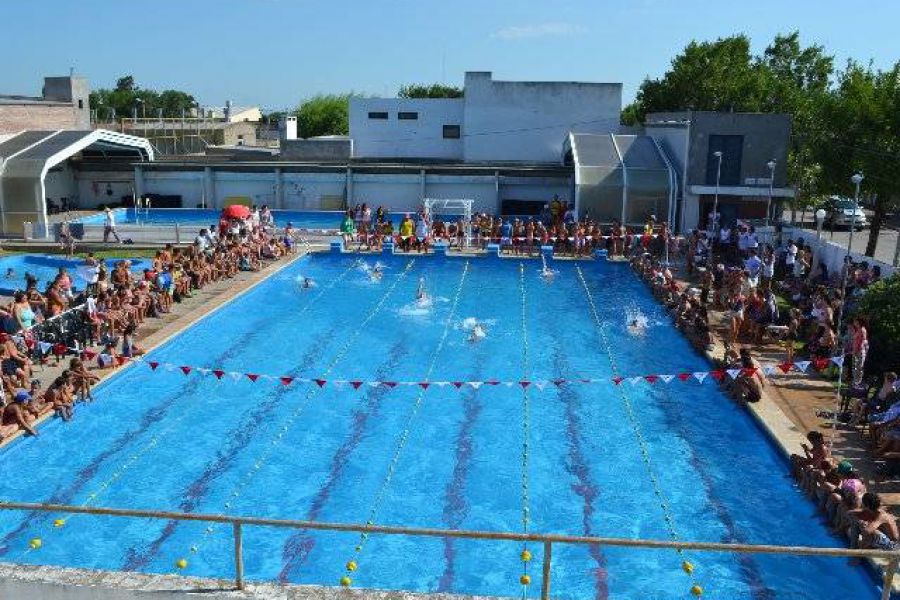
494,121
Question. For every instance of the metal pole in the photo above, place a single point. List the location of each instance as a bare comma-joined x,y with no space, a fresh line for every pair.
715,217
771,184
853,218
889,571
238,556
545,580
896,262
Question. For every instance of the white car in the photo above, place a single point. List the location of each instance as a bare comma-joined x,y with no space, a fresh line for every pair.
841,212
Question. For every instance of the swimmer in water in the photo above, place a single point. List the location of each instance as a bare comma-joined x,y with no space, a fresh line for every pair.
10,273
421,294
478,333
308,283
547,273
377,272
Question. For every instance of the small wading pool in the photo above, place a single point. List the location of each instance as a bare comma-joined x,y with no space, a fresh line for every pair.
444,457
45,268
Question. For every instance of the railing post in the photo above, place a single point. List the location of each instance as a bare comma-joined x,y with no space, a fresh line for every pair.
545,580
889,571
238,556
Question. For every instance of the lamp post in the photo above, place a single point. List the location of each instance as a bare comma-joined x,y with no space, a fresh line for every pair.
820,219
143,107
771,165
855,180
715,213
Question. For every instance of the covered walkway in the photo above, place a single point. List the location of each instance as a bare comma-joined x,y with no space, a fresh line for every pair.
26,159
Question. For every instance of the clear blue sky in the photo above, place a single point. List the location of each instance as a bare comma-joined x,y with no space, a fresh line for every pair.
273,53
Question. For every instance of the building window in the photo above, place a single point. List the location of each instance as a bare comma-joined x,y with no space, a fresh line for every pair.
378,115
240,140
731,147
80,104
451,132
408,116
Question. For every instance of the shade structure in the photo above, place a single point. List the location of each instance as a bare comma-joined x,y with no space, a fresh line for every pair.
236,211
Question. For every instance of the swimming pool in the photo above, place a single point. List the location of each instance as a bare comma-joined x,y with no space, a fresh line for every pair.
444,457
196,217
45,267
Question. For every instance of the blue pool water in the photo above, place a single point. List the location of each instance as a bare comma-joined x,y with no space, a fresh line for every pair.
205,217
45,268
163,440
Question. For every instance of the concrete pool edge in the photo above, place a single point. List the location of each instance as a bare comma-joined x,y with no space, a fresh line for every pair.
66,583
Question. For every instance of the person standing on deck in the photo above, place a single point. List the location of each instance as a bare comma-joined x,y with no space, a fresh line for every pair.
109,226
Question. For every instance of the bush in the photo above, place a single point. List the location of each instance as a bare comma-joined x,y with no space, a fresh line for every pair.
880,306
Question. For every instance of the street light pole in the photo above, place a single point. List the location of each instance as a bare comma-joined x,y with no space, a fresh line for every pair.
771,165
715,214
856,180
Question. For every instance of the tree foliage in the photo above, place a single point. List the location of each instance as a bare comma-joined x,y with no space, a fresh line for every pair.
128,99
324,114
880,306
434,90
843,121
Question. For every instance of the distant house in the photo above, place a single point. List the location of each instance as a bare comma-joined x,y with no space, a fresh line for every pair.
63,104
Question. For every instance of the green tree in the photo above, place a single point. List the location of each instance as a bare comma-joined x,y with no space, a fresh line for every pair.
127,99
125,84
434,90
863,116
880,307
324,114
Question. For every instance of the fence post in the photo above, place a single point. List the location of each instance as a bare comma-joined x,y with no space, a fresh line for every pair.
896,262
238,556
545,580
889,571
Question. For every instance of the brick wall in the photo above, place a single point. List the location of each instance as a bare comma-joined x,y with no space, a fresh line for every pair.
19,117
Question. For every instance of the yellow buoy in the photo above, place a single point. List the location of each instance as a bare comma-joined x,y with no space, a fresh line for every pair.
181,563
351,566
346,581
525,579
59,522
526,555
687,567
35,543
697,590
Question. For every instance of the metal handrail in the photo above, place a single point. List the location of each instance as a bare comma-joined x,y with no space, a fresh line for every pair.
548,539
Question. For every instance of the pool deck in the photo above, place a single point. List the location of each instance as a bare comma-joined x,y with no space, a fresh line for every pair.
58,583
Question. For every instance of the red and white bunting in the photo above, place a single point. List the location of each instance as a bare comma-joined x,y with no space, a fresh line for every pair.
719,375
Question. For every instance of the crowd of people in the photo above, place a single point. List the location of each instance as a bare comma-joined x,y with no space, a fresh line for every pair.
556,226
107,313
779,294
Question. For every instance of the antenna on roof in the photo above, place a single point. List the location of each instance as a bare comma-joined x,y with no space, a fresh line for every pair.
71,71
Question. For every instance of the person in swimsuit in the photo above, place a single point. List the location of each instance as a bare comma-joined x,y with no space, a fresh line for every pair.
478,333
22,311
876,527
10,273
421,294
17,413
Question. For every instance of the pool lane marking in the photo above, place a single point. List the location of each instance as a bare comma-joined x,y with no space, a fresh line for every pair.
238,438
297,548
636,428
455,503
313,391
86,473
352,564
525,555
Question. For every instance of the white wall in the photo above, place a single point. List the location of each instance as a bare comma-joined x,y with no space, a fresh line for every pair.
528,121
304,191
395,138
60,183
399,192
92,187
481,189
535,188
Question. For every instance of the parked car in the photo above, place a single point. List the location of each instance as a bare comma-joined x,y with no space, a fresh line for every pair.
842,212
